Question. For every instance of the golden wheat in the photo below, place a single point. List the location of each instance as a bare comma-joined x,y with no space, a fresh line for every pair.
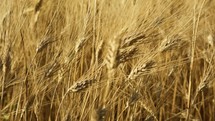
107,60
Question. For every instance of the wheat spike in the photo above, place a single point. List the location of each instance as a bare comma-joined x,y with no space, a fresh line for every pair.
210,39
51,69
126,54
140,69
6,61
38,6
1,64
168,43
80,43
98,114
133,99
203,84
134,39
80,85
43,43
112,53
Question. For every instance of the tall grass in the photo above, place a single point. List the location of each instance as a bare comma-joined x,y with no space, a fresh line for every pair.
111,60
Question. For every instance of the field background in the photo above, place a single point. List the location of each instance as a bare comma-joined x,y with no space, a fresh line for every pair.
111,60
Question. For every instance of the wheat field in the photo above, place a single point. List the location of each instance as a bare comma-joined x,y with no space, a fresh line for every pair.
107,60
